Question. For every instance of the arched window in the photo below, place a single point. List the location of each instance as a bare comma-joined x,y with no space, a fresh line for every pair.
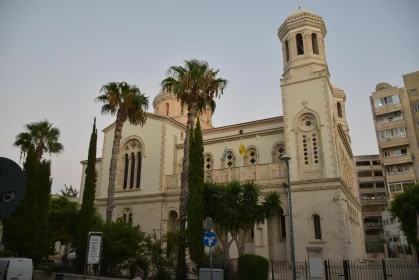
167,109
157,110
287,50
131,182
299,42
282,225
140,160
208,162
278,152
339,110
230,160
181,110
127,215
315,43
251,156
317,227
181,135
173,222
126,171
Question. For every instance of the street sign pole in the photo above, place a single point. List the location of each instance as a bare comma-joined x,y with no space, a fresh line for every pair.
210,239
93,251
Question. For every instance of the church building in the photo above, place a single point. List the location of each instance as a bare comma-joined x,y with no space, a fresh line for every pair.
313,131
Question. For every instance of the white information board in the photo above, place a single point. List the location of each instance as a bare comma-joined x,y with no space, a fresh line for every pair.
95,244
316,267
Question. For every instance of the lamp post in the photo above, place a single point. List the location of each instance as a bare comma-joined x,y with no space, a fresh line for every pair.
294,273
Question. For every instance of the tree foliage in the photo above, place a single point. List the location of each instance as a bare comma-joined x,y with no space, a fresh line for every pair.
235,209
127,103
86,215
196,210
69,191
122,241
26,230
405,206
196,85
43,136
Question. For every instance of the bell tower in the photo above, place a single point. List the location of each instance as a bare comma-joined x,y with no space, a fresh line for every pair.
302,37
307,97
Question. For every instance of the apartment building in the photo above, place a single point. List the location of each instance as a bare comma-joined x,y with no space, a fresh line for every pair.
372,193
396,136
396,119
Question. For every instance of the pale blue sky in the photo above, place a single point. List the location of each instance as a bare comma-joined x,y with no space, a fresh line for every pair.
55,56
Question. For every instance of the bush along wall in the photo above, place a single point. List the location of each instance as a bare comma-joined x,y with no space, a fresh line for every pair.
253,267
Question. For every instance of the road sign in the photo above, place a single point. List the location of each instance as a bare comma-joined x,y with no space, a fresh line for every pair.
12,186
95,246
210,239
208,224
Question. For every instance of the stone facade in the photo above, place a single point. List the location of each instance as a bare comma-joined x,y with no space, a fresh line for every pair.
313,131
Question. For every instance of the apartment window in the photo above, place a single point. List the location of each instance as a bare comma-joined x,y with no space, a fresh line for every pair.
363,163
379,185
388,100
395,153
378,173
413,92
387,154
397,132
399,169
366,186
376,162
373,208
390,118
364,174
398,187
381,195
416,108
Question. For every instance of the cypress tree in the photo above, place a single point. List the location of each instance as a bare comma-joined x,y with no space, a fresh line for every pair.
26,230
87,210
196,197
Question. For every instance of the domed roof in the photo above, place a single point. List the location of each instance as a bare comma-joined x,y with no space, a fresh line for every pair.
161,94
382,86
300,11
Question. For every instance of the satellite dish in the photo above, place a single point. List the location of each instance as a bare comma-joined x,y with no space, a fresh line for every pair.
12,187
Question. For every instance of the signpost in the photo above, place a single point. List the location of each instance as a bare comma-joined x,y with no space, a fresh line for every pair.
94,250
209,238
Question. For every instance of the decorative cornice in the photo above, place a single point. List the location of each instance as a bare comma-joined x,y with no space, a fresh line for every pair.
231,138
345,140
242,126
85,161
302,19
154,117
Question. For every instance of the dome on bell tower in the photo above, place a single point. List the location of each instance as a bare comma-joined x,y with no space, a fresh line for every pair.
302,37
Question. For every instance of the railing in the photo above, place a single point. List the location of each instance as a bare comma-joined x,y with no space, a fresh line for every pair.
261,173
373,225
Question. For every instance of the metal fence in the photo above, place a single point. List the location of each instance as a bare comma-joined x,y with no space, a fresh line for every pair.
388,269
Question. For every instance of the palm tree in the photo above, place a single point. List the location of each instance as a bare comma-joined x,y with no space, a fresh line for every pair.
195,84
128,103
42,136
236,208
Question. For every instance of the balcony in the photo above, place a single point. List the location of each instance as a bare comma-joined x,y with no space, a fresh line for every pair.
269,173
373,225
393,142
391,160
401,176
387,109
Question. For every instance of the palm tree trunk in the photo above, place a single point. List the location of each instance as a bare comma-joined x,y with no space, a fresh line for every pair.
119,123
184,190
181,269
39,151
240,242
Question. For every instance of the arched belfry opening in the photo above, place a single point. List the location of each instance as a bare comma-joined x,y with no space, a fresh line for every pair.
300,43
315,43
287,51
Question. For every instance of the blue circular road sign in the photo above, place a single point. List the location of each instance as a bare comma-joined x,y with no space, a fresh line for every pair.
209,239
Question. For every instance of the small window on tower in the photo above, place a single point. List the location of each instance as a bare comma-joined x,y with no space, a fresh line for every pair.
300,45
339,110
315,43
287,50
167,109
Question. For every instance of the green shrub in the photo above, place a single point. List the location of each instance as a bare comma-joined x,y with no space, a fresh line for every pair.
253,267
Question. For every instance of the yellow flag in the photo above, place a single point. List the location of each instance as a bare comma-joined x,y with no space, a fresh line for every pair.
242,150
